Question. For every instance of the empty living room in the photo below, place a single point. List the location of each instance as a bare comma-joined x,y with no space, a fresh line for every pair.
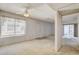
39,28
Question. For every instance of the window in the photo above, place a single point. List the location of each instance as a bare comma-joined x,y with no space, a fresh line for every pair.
69,30
12,27
7,27
20,27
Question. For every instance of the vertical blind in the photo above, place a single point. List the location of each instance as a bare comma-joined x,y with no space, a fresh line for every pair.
11,27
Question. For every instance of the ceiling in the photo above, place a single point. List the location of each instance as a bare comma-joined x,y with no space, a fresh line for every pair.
41,11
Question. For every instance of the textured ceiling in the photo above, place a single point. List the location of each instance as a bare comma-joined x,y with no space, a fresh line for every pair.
42,11
58,6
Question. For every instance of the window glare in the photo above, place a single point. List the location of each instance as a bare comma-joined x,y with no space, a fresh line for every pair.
12,27
69,30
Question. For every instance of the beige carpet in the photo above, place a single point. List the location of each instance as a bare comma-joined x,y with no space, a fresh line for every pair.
38,47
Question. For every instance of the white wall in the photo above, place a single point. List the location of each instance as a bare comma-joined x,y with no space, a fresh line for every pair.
34,29
37,28
53,29
78,25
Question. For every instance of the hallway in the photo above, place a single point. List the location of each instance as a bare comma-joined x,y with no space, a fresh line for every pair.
37,47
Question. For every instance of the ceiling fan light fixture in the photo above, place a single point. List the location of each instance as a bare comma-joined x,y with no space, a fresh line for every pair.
27,15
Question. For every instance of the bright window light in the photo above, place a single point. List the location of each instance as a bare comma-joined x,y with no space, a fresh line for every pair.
12,27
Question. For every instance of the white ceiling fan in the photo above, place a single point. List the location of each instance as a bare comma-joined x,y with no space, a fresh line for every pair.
26,14
30,6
